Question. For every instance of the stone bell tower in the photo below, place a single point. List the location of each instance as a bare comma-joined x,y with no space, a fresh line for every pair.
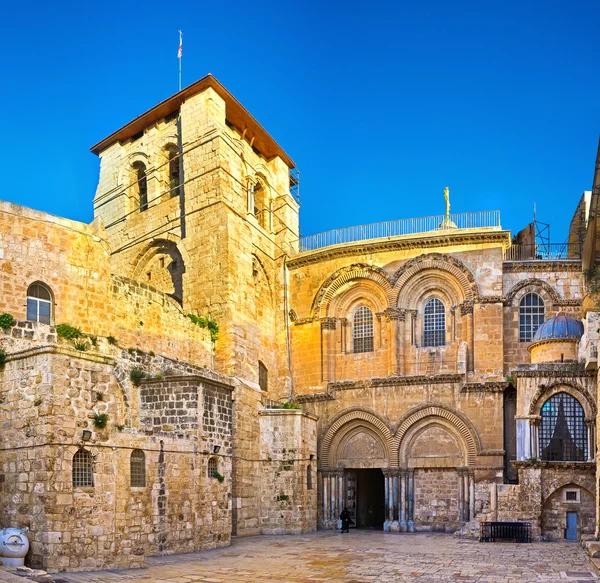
195,197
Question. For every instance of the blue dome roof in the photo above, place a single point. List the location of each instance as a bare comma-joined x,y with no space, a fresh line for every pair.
559,327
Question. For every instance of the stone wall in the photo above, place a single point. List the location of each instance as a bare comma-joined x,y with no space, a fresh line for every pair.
288,495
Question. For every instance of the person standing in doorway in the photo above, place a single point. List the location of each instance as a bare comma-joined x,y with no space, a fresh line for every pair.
345,518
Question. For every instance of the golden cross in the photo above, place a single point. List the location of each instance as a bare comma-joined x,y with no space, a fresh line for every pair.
447,197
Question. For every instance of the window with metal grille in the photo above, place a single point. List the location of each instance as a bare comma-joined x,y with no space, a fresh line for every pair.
139,177
263,376
571,496
39,303
531,316
362,330
434,323
309,485
137,467
213,468
83,469
563,433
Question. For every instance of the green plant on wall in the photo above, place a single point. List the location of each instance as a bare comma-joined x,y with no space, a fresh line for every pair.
111,340
81,345
68,332
136,375
2,358
282,497
218,476
203,322
6,320
100,420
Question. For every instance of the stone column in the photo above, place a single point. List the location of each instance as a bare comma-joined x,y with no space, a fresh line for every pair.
393,317
471,495
461,496
402,500
534,426
328,327
387,498
325,478
333,499
466,311
410,478
494,501
590,426
340,486
466,490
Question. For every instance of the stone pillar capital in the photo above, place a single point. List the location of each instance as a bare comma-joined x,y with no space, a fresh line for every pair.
328,323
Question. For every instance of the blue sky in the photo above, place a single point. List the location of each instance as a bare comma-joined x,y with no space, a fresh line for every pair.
381,104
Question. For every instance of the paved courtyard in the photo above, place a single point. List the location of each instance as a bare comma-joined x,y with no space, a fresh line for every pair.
360,557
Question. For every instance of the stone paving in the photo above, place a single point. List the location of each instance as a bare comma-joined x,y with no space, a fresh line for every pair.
360,557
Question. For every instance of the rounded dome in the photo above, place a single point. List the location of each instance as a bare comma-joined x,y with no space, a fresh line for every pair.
559,327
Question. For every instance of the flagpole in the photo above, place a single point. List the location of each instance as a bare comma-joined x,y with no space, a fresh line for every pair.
180,56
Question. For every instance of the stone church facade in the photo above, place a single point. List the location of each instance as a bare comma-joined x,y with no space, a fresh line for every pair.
427,374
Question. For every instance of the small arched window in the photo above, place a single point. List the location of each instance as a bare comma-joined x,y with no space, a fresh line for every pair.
213,468
137,466
174,179
141,182
362,330
531,316
563,432
83,469
309,483
434,323
261,206
39,303
263,376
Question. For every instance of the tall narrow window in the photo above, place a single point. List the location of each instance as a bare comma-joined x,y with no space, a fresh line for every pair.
139,176
563,432
263,376
531,316
137,467
39,303
173,170
309,485
83,469
434,323
213,468
362,330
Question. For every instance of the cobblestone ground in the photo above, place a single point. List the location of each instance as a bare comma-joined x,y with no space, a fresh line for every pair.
360,557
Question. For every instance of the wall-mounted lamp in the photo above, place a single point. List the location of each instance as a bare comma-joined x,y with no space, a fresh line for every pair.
86,435
216,448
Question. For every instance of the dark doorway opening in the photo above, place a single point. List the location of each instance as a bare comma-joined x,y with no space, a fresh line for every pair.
366,497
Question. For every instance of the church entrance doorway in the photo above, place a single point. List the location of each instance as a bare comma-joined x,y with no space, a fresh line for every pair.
365,497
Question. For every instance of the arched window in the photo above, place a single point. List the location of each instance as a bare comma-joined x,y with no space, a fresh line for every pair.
309,485
261,206
263,376
531,316
137,467
362,330
434,323
83,469
213,468
39,303
174,181
141,181
563,434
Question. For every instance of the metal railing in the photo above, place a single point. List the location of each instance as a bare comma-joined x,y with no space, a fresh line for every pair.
491,532
478,220
543,252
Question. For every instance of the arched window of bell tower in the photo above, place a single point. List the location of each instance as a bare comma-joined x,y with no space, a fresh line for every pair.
140,182
262,210
173,170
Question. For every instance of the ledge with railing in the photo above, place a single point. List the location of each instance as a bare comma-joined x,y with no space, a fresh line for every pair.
542,252
402,227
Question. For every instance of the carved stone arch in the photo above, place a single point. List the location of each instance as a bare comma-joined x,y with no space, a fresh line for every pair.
363,292
164,141
168,246
125,169
347,421
416,430
435,261
463,426
584,482
578,392
265,173
531,285
342,276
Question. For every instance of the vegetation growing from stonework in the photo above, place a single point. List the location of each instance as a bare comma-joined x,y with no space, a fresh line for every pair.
111,340
6,320
282,497
2,358
137,375
218,476
592,277
100,420
82,345
203,322
68,332
287,405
